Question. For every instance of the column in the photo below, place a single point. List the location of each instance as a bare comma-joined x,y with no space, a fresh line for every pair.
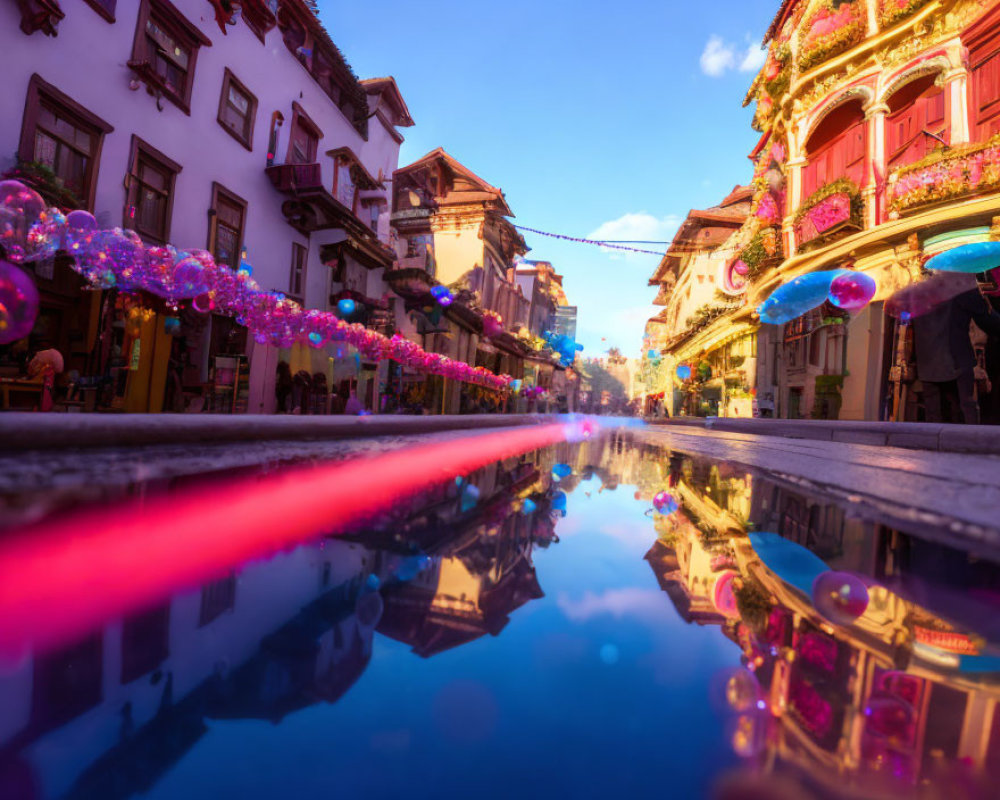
793,177
874,192
956,83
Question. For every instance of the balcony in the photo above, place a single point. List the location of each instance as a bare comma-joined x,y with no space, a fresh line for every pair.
423,261
310,207
833,211
945,175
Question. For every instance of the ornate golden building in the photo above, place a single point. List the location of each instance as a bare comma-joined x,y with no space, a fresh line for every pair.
880,146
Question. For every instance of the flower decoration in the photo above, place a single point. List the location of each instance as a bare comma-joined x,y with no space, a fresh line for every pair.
828,208
945,174
891,11
833,27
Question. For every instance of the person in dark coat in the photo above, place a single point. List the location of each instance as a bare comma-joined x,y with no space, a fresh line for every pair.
946,360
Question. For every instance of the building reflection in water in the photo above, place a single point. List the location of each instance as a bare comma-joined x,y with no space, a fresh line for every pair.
109,716
901,703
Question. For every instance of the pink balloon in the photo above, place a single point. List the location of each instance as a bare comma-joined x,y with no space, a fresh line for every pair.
852,290
18,303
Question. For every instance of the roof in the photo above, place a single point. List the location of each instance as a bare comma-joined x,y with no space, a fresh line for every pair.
387,88
779,19
488,191
731,213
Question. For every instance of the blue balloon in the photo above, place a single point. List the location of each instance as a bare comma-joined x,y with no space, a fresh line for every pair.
799,295
978,257
528,506
442,294
684,372
559,501
560,471
346,306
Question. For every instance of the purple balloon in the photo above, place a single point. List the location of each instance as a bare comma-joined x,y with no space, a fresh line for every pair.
18,303
841,597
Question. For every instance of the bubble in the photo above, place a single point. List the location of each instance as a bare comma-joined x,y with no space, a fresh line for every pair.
189,278
742,690
443,295
747,734
18,303
559,501
316,339
529,506
969,258
609,654
798,296
204,302
841,597
684,372
470,496
665,503
889,717
852,290
20,208
560,471
172,326
515,385
346,306
373,582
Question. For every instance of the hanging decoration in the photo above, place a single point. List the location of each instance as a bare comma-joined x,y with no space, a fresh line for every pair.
843,288
118,259
598,243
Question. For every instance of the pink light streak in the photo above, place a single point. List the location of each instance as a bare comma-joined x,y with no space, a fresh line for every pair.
63,578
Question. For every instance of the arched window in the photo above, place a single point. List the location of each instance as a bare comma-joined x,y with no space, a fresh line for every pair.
917,115
836,149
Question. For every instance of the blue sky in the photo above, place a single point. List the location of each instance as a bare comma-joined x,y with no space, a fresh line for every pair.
595,118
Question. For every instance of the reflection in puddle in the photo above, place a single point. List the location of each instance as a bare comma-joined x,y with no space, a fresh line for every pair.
516,629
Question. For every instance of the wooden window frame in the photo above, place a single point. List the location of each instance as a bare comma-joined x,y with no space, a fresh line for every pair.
300,116
895,147
218,190
171,20
229,80
982,39
102,10
142,148
299,295
37,88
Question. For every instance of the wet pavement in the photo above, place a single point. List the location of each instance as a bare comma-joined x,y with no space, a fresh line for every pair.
626,616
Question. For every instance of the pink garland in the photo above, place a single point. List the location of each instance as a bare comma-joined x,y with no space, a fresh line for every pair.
116,258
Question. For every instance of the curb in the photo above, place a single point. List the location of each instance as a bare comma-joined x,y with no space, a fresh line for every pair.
945,438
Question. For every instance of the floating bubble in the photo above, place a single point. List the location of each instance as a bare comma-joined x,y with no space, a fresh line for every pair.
841,597
741,690
316,339
560,471
970,258
684,372
798,296
515,385
665,503
852,290
373,582
529,506
190,278
470,496
20,208
204,302
443,295
346,306
172,326
559,501
889,717
18,303
747,734
925,295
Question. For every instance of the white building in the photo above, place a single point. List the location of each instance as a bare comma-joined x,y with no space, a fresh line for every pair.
208,131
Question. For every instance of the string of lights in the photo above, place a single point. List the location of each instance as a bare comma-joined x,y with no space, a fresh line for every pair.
612,245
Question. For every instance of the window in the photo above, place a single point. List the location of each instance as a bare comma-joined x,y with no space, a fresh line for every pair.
217,598
150,183
106,8
344,187
277,120
297,280
145,642
225,240
836,149
237,110
64,136
915,108
165,51
303,141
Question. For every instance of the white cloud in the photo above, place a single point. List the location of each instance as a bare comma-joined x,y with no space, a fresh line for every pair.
637,227
717,57
616,602
753,59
